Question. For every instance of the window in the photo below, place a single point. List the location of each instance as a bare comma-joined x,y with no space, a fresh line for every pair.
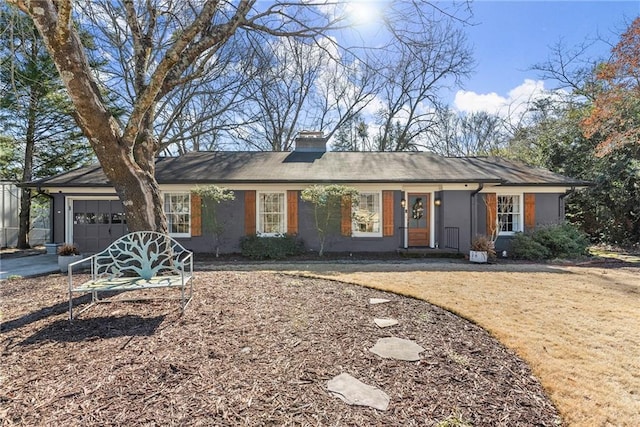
366,215
272,217
509,216
177,208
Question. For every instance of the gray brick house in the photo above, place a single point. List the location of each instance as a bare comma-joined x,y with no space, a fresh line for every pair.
414,199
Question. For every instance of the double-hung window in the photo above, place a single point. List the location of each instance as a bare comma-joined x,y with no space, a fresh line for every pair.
366,215
272,215
509,214
177,208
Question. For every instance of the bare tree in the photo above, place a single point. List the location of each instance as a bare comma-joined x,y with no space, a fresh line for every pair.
571,69
276,98
198,115
345,88
481,134
473,134
166,44
165,50
300,85
427,62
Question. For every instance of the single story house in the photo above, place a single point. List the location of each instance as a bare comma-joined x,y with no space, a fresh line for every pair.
406,199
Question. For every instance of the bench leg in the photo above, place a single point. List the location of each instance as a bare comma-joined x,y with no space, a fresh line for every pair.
94,301
185,298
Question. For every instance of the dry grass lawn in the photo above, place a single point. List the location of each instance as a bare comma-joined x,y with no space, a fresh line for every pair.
577,327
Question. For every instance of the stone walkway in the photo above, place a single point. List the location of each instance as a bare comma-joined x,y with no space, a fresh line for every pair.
355,392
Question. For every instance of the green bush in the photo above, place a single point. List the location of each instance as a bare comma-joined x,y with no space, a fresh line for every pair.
563,241
271,247
554,241
523,246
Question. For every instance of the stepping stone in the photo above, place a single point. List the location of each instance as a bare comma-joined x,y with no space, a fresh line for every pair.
397,348
373,301
355,392
385,323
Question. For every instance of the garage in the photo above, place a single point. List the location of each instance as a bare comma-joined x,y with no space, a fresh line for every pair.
97,223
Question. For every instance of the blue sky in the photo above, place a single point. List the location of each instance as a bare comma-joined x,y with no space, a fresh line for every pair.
511,36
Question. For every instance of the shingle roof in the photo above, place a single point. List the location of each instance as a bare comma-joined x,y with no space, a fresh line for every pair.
314,167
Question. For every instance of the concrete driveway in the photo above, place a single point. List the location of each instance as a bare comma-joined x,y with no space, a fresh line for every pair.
28,266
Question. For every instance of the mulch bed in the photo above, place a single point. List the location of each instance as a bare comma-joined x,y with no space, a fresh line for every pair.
251,349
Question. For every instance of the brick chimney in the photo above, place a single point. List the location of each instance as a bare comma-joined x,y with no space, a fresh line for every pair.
311,141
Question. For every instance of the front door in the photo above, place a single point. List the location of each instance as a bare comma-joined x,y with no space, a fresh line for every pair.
418,212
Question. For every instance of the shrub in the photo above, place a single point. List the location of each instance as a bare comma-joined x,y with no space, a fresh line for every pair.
484,244
276,247
327,201
563,240
524,246
554,241
68,249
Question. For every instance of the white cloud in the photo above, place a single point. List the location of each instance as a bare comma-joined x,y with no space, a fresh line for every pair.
513,105
471,102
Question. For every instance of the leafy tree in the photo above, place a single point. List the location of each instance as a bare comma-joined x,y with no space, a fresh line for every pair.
616,110
554,137
212,196
327,201
41,137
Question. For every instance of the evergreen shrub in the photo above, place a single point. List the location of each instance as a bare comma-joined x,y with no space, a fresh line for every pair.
551,242
270,247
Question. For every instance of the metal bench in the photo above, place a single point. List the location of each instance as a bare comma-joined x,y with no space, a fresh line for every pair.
137,261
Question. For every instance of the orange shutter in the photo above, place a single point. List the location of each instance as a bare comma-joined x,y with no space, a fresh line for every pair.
491,201
196,215
250,212
345,224
292,212
529,211
387,213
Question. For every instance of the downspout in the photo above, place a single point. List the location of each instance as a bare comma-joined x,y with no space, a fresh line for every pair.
561,210
51,212
472,200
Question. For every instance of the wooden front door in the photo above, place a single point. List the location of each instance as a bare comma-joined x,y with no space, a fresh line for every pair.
418,213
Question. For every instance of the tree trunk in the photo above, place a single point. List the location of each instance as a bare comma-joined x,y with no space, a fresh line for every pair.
27,173
137,189
129,168
24,219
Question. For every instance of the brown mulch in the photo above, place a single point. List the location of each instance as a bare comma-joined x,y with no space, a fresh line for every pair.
252,348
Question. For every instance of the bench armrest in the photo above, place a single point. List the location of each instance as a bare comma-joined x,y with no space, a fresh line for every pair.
187,263
90,259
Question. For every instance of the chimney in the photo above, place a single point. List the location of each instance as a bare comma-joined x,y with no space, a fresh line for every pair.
311,142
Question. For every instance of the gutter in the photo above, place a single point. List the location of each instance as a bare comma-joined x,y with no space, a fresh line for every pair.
472,217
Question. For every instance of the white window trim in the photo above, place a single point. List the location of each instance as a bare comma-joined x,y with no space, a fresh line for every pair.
285,213
166,193
355,233
521,214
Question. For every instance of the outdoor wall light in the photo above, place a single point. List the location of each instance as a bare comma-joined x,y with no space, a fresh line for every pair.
403,203
437,202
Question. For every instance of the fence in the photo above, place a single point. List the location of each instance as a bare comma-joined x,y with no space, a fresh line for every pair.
9,221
